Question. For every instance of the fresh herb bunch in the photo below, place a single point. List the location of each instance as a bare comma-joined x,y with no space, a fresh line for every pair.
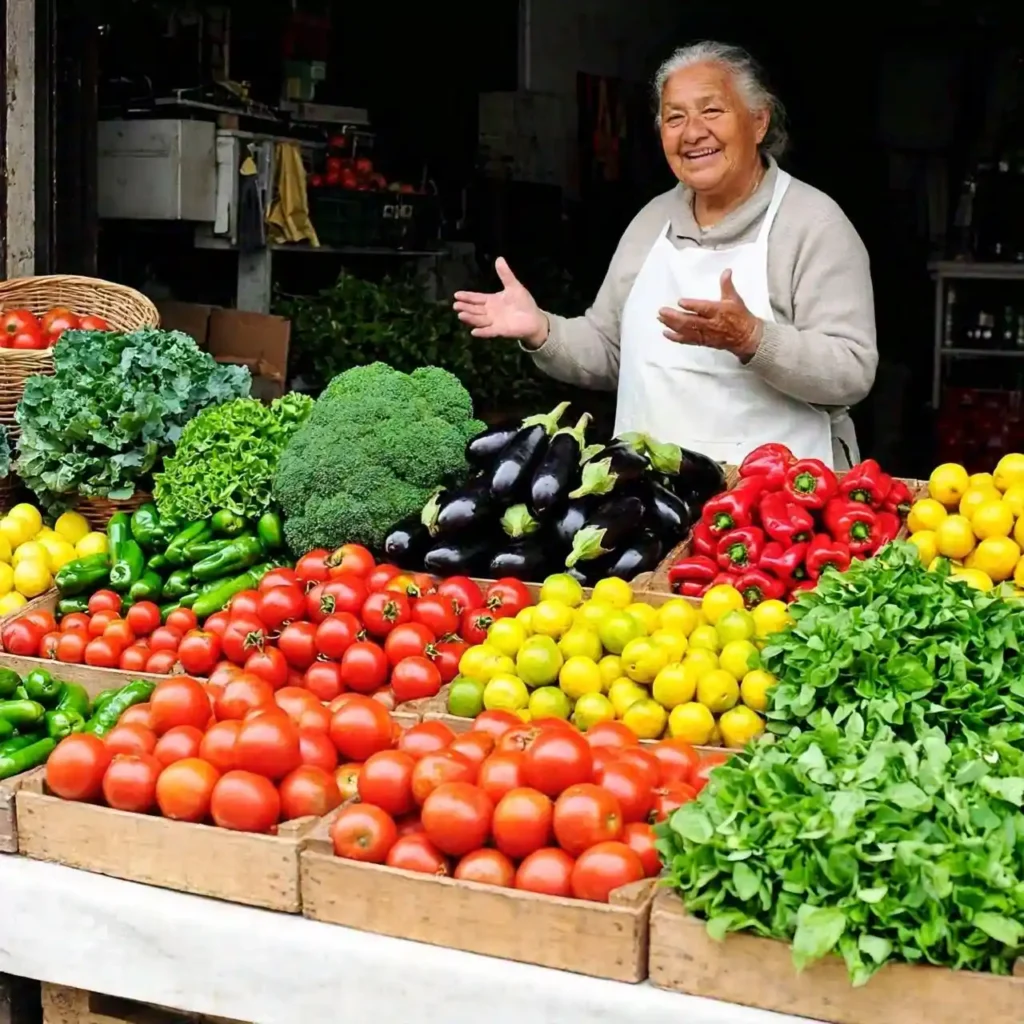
904,646
879,849
5,453
114,406
227,457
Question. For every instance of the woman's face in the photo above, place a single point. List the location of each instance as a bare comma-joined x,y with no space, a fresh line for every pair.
709,136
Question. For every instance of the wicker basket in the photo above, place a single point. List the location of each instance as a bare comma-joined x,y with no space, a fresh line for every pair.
99,510
10,492
123,308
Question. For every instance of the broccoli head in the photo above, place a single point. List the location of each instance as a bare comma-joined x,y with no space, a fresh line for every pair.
376,445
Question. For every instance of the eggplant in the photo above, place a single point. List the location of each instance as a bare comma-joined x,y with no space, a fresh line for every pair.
559,469
570,521
514,467
459,556
469,508
613,466
408,540
526,560
670,516
640,553
518,523
688,474
482,450
606,529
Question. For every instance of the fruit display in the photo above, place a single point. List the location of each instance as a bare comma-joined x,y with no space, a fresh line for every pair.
22,329
973,523
786,520
541,500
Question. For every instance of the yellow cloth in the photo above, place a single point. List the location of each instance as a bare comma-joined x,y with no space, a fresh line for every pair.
289,215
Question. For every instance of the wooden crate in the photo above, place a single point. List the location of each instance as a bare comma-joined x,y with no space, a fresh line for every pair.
759,972
598,939
63,1005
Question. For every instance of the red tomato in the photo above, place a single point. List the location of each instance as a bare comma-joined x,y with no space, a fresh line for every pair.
488,867
44,620
344,593
462,591
179,701
364,832
58,314
457,817
105,601
268,745
403,583
415,679
311,568
129,783
182,619
352,558
323,680
245,802
217,623
364,667
387,698
497,723
280,605
336,634
474,625
604,868
437,613
434,770
501,773
243,694
102,653
14,321
671,797
282,577
347,777
218,745
556,760
475,747
417,853
316,749
519,738
161,663
643,759
100,621
611,734
379,576
199,652
446,656
360,728
143,617
22,637
708,763
224,672
270,665
294,701
48,646
93,323
386,781
603,757
317,717
547,871
425,738
586,815
131,739
522,822
31,338
383,611
298,644
184,789
677,758
241,638
507,597
628,784
178,743
245,605
139,714
410,825
76,767
640,838
408,641
71,649
308,792
78,622
165,638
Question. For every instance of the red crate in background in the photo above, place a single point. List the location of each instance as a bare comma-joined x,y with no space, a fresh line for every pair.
976,427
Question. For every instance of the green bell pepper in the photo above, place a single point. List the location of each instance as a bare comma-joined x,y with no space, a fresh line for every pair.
22,713
6,730
158,563
175,551
19,742
200,549
119,531
270,531
20,693
178,584
63,723
128,567
75,698
27,758
228,524
9,682
149,587
73,605
239,555
82,574
109,714
189,599
43,688
213,598
147,529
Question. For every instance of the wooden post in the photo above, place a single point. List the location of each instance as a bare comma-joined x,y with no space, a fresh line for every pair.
19,225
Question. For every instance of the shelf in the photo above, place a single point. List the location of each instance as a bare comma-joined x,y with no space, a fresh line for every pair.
208,242
963,270
982,353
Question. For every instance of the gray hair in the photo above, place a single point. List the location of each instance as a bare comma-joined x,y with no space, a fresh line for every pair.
749,80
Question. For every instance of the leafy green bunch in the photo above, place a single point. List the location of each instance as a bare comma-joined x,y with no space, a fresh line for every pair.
114,406
227,456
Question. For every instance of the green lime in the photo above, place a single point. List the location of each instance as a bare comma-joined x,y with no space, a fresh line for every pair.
590,709
538,661
581,642
549,702
465,697
617,629
736,625
506,693
563,589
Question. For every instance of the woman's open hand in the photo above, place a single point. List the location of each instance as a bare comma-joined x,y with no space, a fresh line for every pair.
727,324
510,313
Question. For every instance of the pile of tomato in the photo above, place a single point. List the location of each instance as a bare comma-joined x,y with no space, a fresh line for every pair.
21,328
538,806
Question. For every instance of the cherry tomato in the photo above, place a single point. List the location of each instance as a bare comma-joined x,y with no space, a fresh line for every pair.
218,745
336,634
76,767
184,789
323,680
364,667
71,649
556,760
105,601
417,853
347,777
308,791
143,617
677,758
603,868
22,637
165,638
281,605
507,597
138,714
475,747
522,822
352,558
408,641
708,763
245,605
100,620
434,770
462,591
270,665
670,797
474,625
78,622
446,656
365,833
131,739
199,652
497,723
316,748
182,619
629,785
294,701
457,817
102,653
311,568
179,700
383,611
437,613
611,734
386,781
643,759
425,738
243,694
500,774
487,867
217,623
584,816
298,644
48,646
345,593
44,620
161,663
178,743
640,838
379,576
129,783
245,802
415,679
360,728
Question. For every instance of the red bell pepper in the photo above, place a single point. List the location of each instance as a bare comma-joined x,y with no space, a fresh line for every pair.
769,460
740,549
756,586
887,528
824,552
786,564
853,523
866,483
734,509
694,569
803,585
725,579
692,588
702,540
899,499
810,483
784,520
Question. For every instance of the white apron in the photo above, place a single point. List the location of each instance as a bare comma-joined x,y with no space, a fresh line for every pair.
703,398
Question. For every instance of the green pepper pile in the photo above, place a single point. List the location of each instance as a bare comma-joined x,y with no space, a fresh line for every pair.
199,565
37,712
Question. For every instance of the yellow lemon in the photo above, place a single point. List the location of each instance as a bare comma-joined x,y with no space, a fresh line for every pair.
539,661
562,589
954,537
770,617
506,636
992,519
673,686
6,578
525,618
29,514
738,658
1018,574
506,693
674,644
15,531
30,551
483,663
1009,471
552,619
643,659
925,514
754,689
581,641
996,557
613,592
617,628
623,694
740,725
32,578
72,526
693,723
91,544
1014,497
701,661
579,676
12,602
718,691
981,480
6,554
591,614
678,616
736,625
646,718
705,637
645,615
719,600
60,551
948,483
611,669
523,714
590,709
927,545
974,499
549,702
972,577
943,563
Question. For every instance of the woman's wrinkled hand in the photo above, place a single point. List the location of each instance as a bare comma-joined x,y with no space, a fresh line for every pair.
510,313
726,324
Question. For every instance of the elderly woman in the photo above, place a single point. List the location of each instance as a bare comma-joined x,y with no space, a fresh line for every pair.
737,308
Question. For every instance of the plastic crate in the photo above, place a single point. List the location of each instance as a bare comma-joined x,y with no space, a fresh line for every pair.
385,219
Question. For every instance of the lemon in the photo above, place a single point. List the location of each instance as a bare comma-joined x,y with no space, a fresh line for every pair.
981,480
72,526
539,661
482,662
770,617
740,725
646,718
45,531
549,702
551,619
701,661
30,515
738,658
591,614
59,551
30,551
590,709
613,592
948,483
506,636
1018,574
623,694
719,600
927,545
754,689
583,642
465,697
12,602
992,519
525,618
736,625
642,659
91,544
673,686
15,531
972,577
954,537
691,722
705,638
718,691
579,676
523,714
562,589
1014,497
611,669
996,557
1009,471
673,644
645,615
32,578
974,499
925,514
678,616
6,578
616,630
6,554
506,693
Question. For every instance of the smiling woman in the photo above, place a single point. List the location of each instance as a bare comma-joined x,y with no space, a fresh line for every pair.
738,307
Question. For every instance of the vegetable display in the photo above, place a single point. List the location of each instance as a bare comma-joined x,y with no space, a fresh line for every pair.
22,329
